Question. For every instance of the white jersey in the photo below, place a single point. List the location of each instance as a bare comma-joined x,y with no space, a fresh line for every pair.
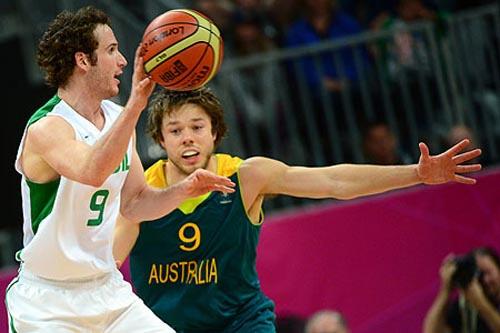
68,226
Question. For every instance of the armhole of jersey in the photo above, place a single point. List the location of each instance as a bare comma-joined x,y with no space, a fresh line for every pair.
261,210
18,164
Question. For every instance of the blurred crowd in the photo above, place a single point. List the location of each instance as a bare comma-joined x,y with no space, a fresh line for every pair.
252,26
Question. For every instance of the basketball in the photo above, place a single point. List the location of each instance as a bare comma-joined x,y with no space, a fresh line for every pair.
182,49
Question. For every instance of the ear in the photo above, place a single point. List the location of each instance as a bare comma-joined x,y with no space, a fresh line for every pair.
81,60
162,143
214,136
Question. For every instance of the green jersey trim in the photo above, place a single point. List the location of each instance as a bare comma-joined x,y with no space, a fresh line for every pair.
42,198
42,112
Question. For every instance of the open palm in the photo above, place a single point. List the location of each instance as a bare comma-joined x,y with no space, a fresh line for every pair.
447,166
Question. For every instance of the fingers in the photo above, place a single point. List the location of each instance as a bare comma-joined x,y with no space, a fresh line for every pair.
458,159
146,83
224,182
458,147
468,168
464,180
449,258
216,182
139,71
222,188
424,150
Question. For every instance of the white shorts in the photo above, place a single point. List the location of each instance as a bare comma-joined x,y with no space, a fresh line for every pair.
103,305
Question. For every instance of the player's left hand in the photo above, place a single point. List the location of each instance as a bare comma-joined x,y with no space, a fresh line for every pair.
202,181
447,166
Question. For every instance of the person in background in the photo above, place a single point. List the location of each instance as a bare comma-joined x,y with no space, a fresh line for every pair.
380,145
476,276
323,20
196,267
327,321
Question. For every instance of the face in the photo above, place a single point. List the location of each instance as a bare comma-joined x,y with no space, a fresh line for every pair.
491,275
320,6
328,324
381,145
247,35
187,138
103,77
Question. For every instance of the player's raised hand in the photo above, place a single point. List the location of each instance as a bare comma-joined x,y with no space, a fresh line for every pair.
447,166
202,181
142,85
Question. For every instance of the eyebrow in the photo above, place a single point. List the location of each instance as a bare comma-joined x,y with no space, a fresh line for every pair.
111,45
175,122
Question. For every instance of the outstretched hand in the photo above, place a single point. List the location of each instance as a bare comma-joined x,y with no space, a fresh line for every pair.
202,181
447,166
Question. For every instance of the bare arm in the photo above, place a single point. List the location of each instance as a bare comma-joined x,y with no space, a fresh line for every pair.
475,295
435,319
51,148
346,181
125,236
140,202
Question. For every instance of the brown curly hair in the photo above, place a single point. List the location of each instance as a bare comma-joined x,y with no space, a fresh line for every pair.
67,34
167,101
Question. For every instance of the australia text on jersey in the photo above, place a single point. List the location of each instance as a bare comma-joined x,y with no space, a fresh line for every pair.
186,272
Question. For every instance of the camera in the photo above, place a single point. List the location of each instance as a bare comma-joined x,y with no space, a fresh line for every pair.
466,270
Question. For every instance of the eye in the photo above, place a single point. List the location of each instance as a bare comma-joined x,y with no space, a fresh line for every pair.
175,131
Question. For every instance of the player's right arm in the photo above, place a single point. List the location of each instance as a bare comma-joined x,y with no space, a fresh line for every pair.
51,150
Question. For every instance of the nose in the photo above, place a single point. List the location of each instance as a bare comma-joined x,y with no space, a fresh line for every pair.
187,137
122,61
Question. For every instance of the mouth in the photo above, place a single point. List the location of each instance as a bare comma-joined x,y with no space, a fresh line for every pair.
190,154
117,77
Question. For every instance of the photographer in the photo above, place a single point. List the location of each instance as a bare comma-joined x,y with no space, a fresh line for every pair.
476,276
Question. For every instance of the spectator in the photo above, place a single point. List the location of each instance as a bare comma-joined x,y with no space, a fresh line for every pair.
219,11
459,132
409,52
327,321
407,61
323,20
256,105
477,308
257,9
332,77
380,145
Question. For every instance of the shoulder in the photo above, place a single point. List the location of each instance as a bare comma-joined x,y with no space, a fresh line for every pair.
51,126
260,167
48,108
227,165
155,175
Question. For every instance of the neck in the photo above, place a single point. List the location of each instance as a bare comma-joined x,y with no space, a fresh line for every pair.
83,102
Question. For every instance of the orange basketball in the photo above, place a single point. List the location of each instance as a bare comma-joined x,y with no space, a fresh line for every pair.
182,49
